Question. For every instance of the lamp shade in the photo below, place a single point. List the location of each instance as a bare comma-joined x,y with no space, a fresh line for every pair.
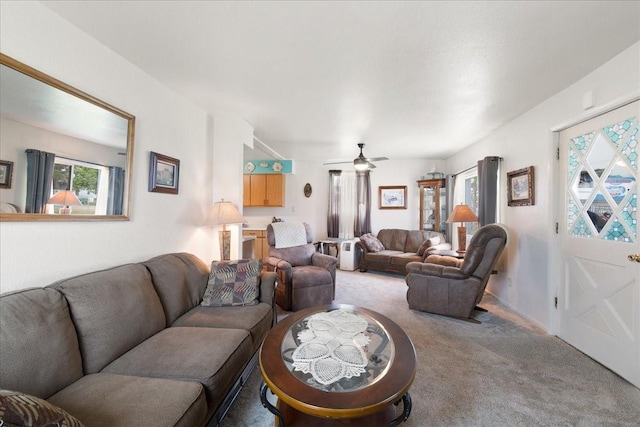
223,213
462,213
65,198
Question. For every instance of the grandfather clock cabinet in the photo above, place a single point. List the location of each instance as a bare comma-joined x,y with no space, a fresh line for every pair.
433,205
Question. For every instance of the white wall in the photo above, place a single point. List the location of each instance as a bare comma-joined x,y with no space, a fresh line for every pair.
529,283
313,210
37,253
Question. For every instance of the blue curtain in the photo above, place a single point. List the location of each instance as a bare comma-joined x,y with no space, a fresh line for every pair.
39,180
488,170
115,198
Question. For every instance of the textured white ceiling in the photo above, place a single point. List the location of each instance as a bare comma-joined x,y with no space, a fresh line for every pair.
410,79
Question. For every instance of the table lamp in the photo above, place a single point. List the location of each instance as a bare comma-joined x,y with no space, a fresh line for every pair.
223,213
66,198
462,213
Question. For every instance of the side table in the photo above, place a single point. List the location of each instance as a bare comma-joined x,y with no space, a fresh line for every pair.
337,364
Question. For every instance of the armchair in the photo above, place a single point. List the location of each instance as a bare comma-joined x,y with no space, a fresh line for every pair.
454,287
305,277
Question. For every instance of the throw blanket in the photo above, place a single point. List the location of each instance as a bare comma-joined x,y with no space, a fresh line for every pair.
288,234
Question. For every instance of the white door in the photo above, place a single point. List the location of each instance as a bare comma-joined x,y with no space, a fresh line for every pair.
599,292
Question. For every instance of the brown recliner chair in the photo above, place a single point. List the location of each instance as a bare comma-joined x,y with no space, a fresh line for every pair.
305,277
454,287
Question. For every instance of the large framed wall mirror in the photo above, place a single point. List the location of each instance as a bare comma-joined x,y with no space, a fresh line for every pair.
71,154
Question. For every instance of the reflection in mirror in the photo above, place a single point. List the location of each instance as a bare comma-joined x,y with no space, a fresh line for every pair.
61,139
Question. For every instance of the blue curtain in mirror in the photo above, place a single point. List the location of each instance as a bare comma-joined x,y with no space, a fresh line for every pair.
39,180
116,191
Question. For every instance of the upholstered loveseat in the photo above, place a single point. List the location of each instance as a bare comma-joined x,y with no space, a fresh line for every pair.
132,345
398,248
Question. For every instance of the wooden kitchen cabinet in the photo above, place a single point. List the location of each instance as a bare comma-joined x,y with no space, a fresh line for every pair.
263,190
261,247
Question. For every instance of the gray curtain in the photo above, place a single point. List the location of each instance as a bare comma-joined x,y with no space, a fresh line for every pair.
116,191
450,184
488,170
39,180
363,197
333,213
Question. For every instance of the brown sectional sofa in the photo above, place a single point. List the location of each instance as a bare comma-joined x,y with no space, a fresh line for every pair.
131,346
400,248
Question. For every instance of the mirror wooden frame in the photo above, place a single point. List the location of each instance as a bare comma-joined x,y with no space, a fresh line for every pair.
44,78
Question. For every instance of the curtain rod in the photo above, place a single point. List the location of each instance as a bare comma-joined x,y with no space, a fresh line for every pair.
471,167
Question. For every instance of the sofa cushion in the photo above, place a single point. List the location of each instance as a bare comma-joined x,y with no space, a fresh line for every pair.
38,342
19,409
298,255
404,258
394,239
214,357
180,280
372,243
111,400
383,257
113,311
257,319
233,283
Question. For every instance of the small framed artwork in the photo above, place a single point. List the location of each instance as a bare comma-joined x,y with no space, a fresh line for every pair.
164,173
520,186
392,197
6,173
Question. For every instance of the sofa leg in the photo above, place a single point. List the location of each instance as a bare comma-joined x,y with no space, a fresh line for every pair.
363,270
477,307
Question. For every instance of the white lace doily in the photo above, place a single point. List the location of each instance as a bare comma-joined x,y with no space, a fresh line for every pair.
332,346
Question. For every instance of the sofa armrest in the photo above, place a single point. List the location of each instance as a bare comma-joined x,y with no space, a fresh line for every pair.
361,246
267,287
325,261
281,267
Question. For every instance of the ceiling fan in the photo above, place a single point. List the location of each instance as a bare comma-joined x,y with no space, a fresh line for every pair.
361,162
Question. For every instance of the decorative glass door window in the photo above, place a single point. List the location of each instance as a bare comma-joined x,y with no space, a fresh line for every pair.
602,190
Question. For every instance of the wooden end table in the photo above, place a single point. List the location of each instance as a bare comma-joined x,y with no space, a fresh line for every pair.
337,364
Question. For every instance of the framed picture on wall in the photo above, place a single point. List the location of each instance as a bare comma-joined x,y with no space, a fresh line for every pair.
392,197
520,187
6,173
164,173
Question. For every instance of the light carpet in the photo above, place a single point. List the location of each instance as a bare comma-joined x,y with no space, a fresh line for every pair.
502,372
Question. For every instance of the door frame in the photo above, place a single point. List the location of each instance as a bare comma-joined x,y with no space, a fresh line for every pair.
553,258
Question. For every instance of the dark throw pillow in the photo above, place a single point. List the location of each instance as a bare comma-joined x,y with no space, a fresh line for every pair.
19,409
233,283
372,243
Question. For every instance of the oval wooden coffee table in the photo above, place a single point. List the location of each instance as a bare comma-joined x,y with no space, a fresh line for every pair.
337,364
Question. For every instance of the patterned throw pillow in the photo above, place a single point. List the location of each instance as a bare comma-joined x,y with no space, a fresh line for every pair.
427,244
372,243
233,283
19,409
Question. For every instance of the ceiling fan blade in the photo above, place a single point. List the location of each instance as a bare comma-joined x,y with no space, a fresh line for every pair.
377,159
371,166
338,163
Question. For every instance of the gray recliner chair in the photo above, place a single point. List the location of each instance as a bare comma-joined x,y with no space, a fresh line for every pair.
305,277
454,287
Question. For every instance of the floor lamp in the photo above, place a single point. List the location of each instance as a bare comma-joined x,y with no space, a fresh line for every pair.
462,213
224,213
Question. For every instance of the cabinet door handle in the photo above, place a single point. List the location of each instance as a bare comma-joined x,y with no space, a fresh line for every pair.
634,257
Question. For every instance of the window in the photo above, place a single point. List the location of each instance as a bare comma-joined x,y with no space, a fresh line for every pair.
88,181
466,192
